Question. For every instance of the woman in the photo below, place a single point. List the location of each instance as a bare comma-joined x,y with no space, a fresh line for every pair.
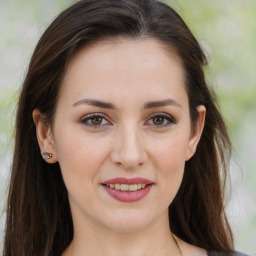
119,146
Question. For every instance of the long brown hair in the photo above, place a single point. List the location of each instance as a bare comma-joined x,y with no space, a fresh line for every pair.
39,220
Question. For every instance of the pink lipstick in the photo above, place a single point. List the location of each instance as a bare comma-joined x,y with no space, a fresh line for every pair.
127,190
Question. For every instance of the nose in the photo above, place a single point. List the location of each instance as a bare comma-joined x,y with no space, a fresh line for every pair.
128,148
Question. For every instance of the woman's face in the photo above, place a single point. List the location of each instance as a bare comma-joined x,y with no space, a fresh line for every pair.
122,123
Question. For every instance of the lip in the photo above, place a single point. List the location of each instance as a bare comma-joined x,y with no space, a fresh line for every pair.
128,196
122,180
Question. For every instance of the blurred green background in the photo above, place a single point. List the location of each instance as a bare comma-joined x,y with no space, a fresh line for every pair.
227,31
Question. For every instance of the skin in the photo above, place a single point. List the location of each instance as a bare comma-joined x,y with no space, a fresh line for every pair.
129,142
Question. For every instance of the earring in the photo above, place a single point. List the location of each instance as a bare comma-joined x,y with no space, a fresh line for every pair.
47,155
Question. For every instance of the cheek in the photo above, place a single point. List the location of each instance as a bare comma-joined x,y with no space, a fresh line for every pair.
170,162
170,155
80,157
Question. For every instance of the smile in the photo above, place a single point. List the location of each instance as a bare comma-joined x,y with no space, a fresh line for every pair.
127,187
128,190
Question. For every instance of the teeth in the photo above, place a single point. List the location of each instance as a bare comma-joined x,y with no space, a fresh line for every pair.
126,187
133,187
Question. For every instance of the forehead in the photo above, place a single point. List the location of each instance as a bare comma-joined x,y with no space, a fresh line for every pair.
110,67
116,50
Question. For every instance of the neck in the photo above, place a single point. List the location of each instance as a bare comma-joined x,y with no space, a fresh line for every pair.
151,241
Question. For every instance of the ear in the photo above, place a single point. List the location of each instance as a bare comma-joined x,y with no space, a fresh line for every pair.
197,132
44,137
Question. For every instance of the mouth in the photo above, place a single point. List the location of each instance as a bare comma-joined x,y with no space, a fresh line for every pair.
128,190
127,187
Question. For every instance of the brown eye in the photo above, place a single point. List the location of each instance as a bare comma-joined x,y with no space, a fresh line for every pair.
97,120
158,120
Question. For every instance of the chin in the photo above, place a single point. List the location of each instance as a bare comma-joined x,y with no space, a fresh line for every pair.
129,221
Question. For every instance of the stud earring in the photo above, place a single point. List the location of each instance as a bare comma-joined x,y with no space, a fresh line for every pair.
47,155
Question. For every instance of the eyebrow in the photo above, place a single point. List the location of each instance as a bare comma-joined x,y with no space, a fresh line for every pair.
162,103
96,103
148,105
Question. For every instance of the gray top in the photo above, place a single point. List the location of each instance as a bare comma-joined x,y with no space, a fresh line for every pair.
218,253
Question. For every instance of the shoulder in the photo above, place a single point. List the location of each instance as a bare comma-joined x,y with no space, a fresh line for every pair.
219,253
191,250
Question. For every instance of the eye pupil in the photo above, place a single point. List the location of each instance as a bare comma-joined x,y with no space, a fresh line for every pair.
96,120
158,120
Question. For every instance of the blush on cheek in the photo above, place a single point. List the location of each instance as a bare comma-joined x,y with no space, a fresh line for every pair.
174,153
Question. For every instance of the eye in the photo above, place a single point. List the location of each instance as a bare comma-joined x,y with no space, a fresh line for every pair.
95,120
160,120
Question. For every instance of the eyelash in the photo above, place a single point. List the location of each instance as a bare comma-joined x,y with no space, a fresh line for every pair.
88,118
168,120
